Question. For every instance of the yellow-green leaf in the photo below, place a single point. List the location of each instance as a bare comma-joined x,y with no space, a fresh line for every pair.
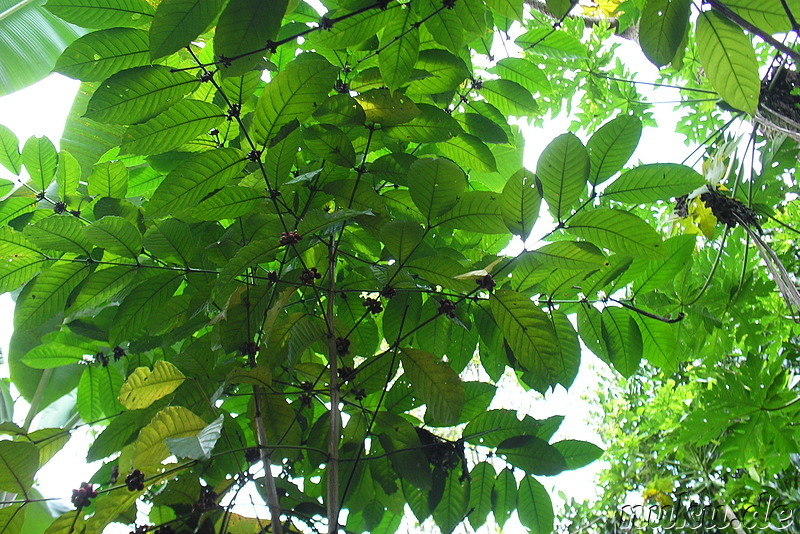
143,387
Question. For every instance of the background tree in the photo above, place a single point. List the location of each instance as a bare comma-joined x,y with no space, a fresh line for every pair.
271,243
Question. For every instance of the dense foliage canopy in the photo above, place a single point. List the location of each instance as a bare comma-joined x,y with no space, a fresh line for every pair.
274,237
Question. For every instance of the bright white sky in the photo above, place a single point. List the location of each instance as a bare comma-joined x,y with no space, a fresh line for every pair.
42,109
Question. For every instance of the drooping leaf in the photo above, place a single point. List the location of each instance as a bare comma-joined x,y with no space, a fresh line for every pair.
293,94
768,15
520,203
616,230
612,145
386,108
578,453
524,72
663,25
137,94
729,60
169,130
657,181
453,507
109,179
509,97
563,169
197,447
437,385
557,45
534,507
504,496
97,55
533,455
469,152
40,159
400,48
101,286
446,29
177,22
143,387
9,150
432,125
63,233
623,340
68,174
480,495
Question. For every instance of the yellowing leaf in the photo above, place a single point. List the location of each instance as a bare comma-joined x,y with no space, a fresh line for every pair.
143,387
150,447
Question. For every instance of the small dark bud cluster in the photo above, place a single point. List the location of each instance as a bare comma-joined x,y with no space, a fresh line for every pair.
75,213
225,61
40,195
206,502
234,111
101,358
290,238
252,455
448,308
486,282
141,529
206,76
166,529
359,394
59,207
249,348
135,480
342,87
346,374
373,305
119,353
254,155
308,276
449,4
325,23
477,84
388,292
342,346
81,496
272,276
213,132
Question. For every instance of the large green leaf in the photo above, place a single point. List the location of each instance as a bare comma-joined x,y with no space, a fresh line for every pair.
230,202
768,15
137,94
612,145
563,169
103,13
46,295
520,203
177,22
150,448
533,455
662,28
436,384
616,230
9,150
432,125
469,152
435,184
529,333
169,130
480,496
171,240
97,392
557,45
194,179
62,233
143,387
453,507
40,159
578,453
534,507
399,44
445,72
136,309
729,60
116,235
101,286
245,26
387,108
19,461
108,179
476,211
524,72
98,55
509,97
504,496
293,94
622,339
352,30
31,39
657,181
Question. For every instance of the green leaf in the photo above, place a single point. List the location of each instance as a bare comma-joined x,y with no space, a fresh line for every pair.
62,233
293,94
177,125
143,387
476,211
352,30
116,235
568,346
194,179
453,506
101,286
444,70
177,22
137,94
494,427
729,61
97,55
534,507
578,453
19,461
504,496
386,108
9,150
398,437
399,44
616,230
533,455
436,384
13,207
529,333
68,175
40,159
30,42
435,185
660,344
563,169
102,13
510,9
520,203
330,143
432,125
170,239
136,309
659,274
244,26
469,151
440,270
230,202
556,45
446,29
622,339
480,494
658,181
481,127
150,447
117,434
12,518
46,295
662,29
109,179
50,355
568,255
612,145
768,15
97,392
559,8
509,97
524,72
197,447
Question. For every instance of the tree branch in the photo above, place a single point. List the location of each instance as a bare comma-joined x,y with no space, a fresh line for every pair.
269,481
335,422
